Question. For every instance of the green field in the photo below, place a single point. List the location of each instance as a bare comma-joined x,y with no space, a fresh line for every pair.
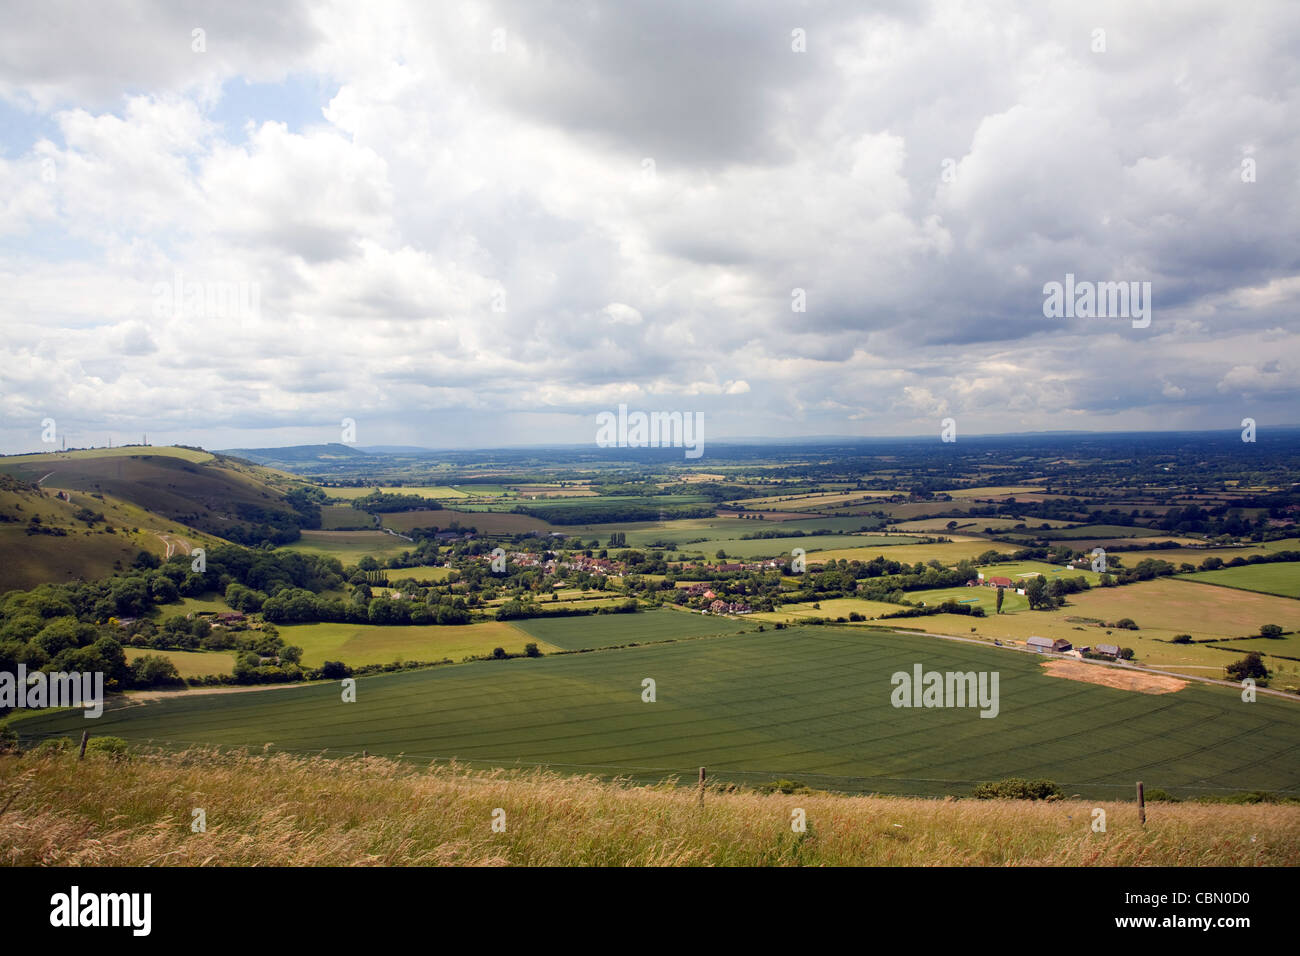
349,546
344,518
986,598
806,703
1287,645
1096,531
1281,578
424,491
782,547
190,663
357,644
1016,571
419,574
608,630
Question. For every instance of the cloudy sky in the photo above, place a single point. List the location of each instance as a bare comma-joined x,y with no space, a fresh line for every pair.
483,223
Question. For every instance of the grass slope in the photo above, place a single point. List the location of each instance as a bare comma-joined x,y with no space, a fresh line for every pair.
285,811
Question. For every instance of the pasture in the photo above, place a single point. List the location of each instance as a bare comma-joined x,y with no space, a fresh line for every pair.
1282,578
190,663
833,608
420,574
344,518
781,547
357,644
612,630
349,546
1022,572
806,703
946,552
987,598
1195,556
485,522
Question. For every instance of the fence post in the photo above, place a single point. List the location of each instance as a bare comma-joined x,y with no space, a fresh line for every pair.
701,786
1142,806
85,736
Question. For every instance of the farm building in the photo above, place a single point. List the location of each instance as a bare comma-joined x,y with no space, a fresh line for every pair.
1046,645
1110,650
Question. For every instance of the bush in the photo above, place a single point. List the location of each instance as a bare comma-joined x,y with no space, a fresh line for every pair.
1157,795
52,747
334,670
112,747
1015,788
1182,639
1252,665
1126,624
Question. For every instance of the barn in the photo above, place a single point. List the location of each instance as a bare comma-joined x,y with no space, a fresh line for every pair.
1046,645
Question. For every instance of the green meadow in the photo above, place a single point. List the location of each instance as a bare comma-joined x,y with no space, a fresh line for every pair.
1281,578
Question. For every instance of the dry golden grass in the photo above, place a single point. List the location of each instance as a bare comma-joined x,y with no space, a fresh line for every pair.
301,811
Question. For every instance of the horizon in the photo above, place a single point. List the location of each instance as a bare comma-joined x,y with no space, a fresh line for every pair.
743,441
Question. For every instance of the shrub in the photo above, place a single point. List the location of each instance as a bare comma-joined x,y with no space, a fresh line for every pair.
112,747
1126,624
1182,639
334,670
1015,788
52,747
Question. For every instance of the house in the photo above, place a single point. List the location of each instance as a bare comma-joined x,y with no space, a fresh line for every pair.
1109,650
997,582
1046,645
231,617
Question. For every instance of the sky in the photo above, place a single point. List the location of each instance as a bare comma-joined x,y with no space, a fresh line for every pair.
483,224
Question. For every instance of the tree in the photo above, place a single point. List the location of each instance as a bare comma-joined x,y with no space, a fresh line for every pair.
530,650
1271,631
1252,665
1036,593
1000,597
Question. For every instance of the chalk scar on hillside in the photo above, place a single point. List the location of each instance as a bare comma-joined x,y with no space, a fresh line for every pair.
1110,677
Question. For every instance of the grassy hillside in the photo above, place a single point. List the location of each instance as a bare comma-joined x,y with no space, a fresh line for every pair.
82,535
809,702
214,494
286,811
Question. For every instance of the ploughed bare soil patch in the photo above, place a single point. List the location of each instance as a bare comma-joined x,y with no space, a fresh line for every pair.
1113,677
